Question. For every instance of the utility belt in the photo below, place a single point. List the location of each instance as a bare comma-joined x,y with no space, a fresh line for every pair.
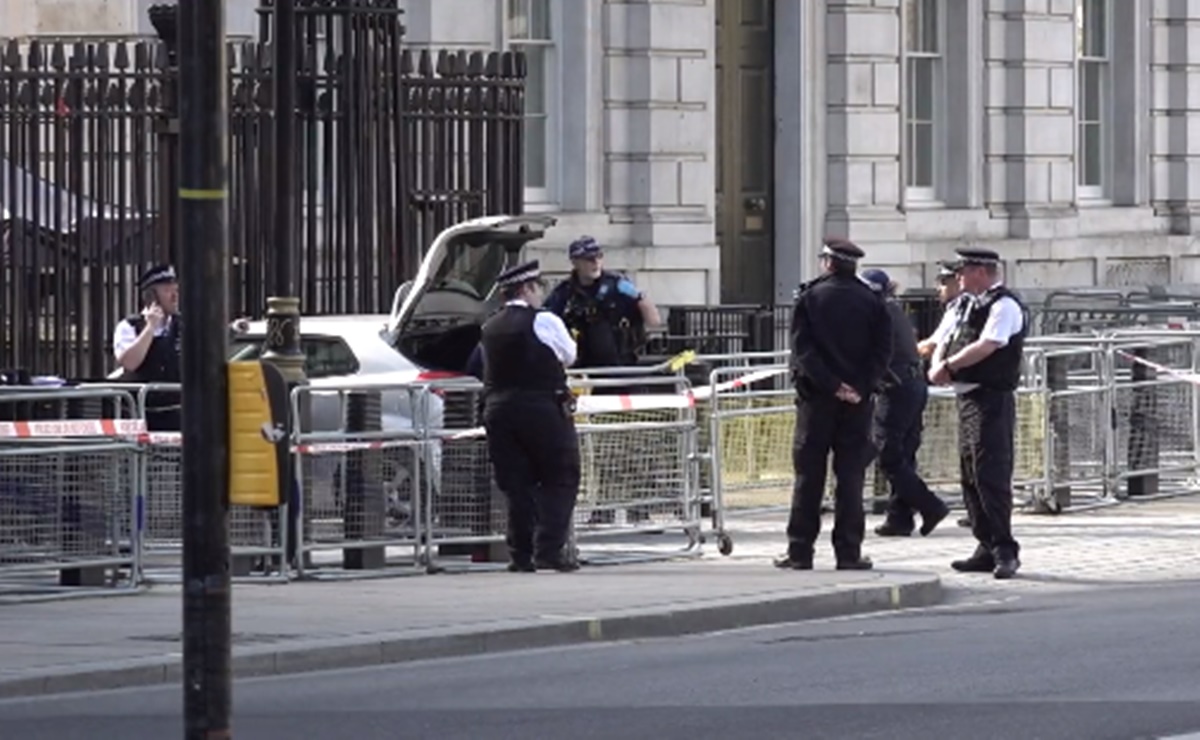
561,397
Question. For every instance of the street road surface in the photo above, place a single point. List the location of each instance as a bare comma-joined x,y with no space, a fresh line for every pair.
1109,664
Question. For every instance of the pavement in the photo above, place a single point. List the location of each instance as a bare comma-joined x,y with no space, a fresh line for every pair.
1133,544
112,642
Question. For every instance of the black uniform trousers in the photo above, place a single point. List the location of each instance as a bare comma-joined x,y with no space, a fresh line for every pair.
824,425
165,419
986,425
899,421
535,455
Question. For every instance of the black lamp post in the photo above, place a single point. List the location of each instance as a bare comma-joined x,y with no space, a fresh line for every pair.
194,35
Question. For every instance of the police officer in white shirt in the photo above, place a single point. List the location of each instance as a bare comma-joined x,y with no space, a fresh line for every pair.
982,358
951,298
528,417
146,345
948,295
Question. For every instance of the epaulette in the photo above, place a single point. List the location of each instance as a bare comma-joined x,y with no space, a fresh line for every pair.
802,287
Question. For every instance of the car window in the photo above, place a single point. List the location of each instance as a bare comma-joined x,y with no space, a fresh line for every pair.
470,269
324,357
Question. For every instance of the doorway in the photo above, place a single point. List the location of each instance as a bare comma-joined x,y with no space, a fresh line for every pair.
745,131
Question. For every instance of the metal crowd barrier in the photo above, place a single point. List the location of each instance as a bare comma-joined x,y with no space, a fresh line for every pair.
1100,419
66,478
360,484
637,454
398,476
638,458
257,539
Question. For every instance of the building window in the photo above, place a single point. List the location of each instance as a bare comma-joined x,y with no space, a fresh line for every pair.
1092,52
923,76
529,30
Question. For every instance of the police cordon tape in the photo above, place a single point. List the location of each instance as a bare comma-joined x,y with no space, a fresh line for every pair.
131,430
134,430
602,404
1189,377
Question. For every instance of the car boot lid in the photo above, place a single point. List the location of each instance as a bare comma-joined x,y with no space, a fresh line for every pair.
505,233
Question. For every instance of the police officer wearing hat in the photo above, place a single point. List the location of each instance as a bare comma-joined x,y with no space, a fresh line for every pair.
951,297
604,310
981,358
841,345
528,417
898,423
146,345
948,294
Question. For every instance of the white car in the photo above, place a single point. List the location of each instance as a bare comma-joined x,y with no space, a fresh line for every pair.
430,333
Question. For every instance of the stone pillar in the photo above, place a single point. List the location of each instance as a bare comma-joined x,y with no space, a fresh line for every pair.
863,126
1030,61
659,121
799,142
1176,149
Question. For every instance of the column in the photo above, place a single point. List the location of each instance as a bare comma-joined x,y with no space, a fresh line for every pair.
863,125
659,121
1030,60
800,141
1175,69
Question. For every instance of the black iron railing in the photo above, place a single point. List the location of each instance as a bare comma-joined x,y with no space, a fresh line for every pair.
391,147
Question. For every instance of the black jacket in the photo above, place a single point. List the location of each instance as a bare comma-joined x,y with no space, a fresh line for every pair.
841,333
905,363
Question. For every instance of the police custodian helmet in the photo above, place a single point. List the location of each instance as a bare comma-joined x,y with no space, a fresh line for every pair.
523,273
157,275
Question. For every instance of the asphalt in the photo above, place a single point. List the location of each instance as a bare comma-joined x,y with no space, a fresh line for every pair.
1110,664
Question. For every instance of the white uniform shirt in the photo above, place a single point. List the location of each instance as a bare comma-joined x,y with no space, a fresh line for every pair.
1004,320
125,335
949,320
552,332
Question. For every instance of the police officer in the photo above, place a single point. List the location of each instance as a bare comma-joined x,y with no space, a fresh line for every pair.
898,415
146,345
948,294
982,360
604,310
528,418
841,344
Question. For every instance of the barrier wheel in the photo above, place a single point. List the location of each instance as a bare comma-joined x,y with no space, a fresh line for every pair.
724,544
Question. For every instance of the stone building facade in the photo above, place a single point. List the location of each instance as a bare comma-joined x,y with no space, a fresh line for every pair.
711,143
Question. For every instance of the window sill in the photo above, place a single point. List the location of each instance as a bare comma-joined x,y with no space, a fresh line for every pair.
540,206
1085,203
923,204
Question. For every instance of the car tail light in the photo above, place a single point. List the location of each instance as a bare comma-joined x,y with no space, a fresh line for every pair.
428,375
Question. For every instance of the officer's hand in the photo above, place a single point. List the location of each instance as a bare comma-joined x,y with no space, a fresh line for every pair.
939,374
848,394
154,316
